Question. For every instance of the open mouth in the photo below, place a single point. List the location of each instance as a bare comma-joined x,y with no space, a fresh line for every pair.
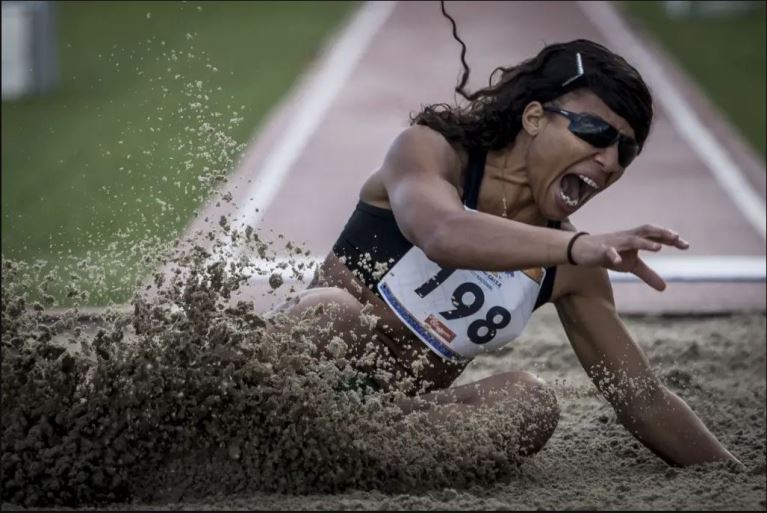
575,189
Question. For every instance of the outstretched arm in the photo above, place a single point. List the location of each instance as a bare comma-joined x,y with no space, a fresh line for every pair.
616,364
421,174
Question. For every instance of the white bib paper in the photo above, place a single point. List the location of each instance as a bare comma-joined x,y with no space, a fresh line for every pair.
460,313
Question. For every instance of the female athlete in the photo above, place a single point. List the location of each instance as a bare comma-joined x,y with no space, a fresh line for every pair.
464,231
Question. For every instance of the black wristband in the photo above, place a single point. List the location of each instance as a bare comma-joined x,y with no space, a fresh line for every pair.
570,247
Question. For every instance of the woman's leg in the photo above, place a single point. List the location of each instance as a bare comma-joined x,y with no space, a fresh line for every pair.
531,398
334,313
330,310
337,313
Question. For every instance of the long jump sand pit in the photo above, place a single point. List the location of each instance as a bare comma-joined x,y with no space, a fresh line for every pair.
184,401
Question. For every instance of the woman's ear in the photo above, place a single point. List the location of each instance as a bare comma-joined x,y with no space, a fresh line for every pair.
533,118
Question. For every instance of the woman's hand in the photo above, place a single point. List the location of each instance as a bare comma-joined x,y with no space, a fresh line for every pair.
619,251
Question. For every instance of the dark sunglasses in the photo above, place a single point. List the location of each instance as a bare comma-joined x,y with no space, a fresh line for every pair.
599,133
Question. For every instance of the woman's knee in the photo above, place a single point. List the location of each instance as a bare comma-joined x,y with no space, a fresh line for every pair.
541,411
540,394
320,301
334,303
520,386
534,401
327,312
328,308
531,402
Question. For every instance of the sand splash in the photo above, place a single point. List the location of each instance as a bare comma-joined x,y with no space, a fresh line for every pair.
187,395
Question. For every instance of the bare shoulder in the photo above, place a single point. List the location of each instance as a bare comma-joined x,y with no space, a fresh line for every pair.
420,149
419,158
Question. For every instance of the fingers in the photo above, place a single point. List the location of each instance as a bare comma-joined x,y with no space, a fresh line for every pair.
636,242
647,275
613,256
662,235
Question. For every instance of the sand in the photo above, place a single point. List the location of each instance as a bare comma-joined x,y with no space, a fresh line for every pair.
185,402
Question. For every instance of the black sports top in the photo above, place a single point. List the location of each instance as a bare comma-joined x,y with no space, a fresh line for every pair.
373,231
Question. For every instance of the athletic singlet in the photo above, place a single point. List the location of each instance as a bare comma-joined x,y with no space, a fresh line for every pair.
371,245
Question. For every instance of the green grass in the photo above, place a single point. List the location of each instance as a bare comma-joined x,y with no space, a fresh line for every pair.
725,55
155,103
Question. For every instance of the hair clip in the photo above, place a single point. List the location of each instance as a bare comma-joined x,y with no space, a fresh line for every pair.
579,63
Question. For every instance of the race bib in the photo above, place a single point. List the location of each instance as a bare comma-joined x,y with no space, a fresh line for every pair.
460,313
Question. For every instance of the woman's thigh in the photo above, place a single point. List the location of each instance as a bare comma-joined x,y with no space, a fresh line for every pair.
329,312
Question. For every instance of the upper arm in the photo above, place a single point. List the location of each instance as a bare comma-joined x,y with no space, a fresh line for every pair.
417,173
612,359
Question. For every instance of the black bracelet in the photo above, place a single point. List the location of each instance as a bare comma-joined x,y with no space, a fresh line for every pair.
570,247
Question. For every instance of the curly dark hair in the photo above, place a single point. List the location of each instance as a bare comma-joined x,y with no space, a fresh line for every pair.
493,117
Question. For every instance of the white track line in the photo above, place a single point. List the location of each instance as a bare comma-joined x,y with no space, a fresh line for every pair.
322,88
695,269
725,171
703,269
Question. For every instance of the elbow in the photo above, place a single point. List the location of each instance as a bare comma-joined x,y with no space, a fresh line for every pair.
438,244
434,246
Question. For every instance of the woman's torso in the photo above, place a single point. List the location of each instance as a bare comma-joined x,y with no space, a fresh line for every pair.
371,242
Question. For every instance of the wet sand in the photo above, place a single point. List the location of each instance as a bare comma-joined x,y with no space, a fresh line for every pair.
184,402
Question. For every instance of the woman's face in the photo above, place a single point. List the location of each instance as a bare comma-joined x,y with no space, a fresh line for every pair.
564,170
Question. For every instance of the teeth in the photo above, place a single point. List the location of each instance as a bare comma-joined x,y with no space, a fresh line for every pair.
570,202
588,181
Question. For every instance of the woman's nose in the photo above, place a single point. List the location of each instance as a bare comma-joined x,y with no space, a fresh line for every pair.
607,158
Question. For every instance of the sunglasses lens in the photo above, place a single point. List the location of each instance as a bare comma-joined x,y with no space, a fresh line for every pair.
593,130
627,151
600,134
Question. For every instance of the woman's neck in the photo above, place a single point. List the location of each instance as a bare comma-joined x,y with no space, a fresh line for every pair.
506,187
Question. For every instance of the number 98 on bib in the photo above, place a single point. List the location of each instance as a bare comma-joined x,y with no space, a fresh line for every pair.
460,313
